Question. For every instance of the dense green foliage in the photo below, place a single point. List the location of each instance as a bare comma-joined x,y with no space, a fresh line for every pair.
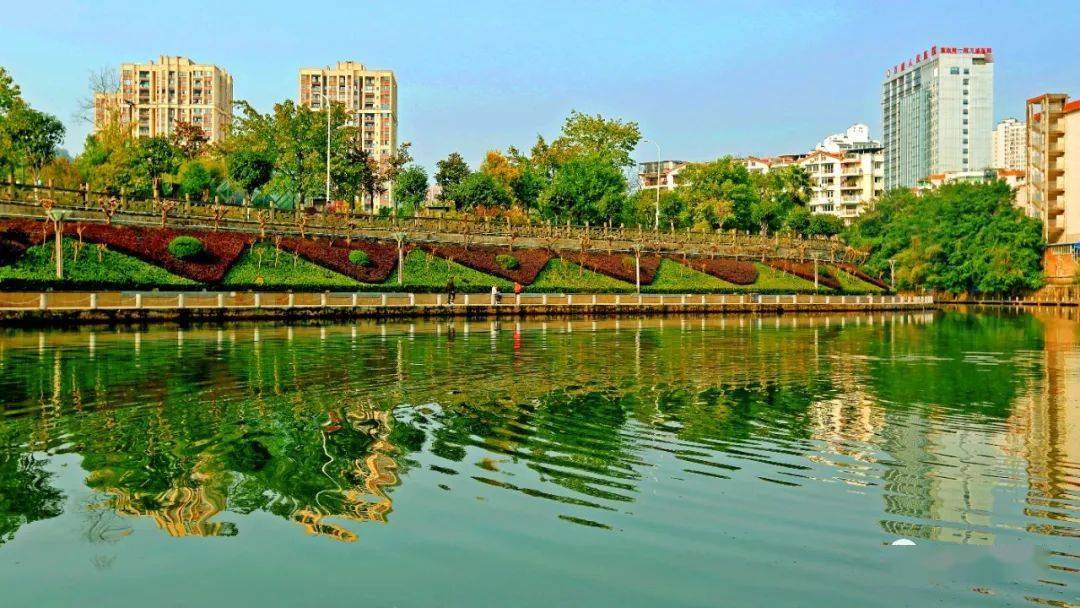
481,190
585,189
186,247
960,238
29,139
410,187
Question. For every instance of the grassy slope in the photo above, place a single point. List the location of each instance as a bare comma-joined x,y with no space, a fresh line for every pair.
114,268
772,279
562,275
425,272
853,284
290,271
673,277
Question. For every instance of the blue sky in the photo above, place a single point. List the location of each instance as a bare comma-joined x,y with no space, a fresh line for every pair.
702,78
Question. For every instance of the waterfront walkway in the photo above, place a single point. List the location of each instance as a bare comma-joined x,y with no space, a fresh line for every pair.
138,306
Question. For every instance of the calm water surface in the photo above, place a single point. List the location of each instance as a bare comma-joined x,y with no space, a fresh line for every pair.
721,461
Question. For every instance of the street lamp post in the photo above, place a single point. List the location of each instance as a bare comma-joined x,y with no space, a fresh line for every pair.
326,106
656,223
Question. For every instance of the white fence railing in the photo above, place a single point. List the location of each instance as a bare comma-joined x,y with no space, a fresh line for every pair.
157,300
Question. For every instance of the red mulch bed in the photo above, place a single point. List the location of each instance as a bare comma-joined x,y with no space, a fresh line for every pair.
805,270
16,236
147,244
617,265
152,245
530,261
334,254
854,271
732,271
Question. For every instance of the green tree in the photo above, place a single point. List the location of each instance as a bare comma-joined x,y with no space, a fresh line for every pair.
960,238
641,210
154,158
481,190
194,179
718,194
410,187
611,140
450,172
823,224
527,186
798,221
585,189
250,170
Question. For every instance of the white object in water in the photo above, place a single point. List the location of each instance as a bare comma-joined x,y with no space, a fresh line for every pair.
902,542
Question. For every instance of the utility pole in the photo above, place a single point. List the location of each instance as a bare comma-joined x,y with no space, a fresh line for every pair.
656,224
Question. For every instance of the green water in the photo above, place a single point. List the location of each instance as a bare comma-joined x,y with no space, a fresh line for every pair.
679,462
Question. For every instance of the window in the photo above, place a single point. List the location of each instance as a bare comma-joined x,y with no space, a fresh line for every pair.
954,70
967,71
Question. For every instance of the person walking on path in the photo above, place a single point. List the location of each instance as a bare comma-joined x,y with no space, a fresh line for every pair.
517,288
451,291
496,295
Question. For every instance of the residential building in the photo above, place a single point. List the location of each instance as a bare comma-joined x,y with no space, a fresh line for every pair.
937,111
1015,179
371,100
1053,178
663,173
845,183
1010,145
757,165
154,96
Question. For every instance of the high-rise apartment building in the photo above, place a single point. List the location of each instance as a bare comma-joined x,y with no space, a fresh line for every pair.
846,173
370,98
937,111
1053,171
153,97
1010,147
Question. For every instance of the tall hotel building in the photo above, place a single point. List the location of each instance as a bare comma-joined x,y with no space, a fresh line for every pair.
153,97
937,111
370,98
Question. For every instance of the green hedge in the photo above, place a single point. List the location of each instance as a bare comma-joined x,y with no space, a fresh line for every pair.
186,247
359,257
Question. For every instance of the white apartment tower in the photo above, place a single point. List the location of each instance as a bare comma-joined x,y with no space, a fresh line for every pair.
937,112
846,173
1010,146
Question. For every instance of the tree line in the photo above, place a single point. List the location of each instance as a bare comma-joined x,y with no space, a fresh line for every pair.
959,238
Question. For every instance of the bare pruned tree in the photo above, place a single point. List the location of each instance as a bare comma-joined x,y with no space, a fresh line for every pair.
102,80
